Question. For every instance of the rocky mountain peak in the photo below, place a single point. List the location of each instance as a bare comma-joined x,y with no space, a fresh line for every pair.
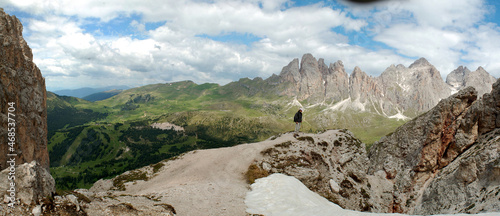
323,68
308,60
414,89
357,72
421,62
290,73
462,68
463,77
337,66
457,77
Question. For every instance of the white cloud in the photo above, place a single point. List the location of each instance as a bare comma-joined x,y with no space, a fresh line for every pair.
441,31
186,45
173,51
455,14
138,26
441,47
484,49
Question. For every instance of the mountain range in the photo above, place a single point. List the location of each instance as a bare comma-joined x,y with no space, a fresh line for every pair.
87,91
247,110
398,90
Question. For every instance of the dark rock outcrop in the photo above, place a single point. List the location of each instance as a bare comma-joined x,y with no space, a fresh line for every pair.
22,88
21,82
453,146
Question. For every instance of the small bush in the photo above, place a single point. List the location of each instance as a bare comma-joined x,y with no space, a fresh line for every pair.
284,145
119,181
254,172
81,197
157,167
268,151
167,207
324,144
306,138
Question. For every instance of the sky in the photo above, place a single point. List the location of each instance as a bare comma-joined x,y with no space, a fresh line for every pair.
96,43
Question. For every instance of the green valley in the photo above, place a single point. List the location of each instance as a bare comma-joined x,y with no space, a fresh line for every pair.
93,140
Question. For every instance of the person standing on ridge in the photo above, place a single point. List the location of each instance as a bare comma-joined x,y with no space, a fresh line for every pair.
298,120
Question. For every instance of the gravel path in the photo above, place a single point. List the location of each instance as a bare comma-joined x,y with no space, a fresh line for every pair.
206,182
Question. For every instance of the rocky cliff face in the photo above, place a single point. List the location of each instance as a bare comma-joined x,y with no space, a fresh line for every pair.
417,88
23,84
452,148
398,89
463,77
456,79
333,164
22,87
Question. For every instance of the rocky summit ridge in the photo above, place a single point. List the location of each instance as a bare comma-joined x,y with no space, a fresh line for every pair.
399,89
462,77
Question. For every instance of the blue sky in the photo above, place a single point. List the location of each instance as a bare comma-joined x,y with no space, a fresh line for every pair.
97,43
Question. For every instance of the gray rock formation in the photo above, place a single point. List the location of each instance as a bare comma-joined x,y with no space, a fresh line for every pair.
410,91
336,83
453,146
462,77
451,149
22,87
456,79
32,183
333,164
312,83
473,179
417,88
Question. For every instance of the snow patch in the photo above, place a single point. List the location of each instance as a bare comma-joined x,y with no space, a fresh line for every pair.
399,116
315,105
358,105
295,102
347,104
340,105
453,90
406,88
281,195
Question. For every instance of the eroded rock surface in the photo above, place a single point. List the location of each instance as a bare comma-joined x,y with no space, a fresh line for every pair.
25,162
21,82
452,149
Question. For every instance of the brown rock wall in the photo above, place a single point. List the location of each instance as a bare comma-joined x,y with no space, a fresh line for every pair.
21,82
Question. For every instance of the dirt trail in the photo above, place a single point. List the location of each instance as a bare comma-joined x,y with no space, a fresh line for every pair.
206,182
